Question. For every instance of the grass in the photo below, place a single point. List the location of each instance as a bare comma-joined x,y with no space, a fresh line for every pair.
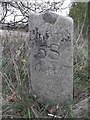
16,86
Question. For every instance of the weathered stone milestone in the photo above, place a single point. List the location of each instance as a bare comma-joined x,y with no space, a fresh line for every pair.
51,58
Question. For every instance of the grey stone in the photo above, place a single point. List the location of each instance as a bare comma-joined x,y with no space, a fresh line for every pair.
51,58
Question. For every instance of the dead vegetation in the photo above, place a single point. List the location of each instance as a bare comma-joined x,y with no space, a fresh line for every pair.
18,100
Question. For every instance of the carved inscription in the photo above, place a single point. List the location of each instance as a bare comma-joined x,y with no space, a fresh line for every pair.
39,41
66,38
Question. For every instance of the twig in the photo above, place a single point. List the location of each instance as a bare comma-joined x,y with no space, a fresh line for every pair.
5,109
12,116
35,112
55,116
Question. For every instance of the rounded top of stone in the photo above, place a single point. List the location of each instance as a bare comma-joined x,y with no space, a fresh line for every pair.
66,17
51,17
